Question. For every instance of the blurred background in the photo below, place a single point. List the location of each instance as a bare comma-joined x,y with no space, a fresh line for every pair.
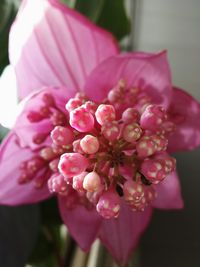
173,237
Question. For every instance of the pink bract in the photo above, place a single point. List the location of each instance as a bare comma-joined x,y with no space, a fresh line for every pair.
58,53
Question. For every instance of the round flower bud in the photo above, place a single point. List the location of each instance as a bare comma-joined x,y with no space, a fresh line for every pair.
72,164
81,120
108,205
105,113
130,115
89,144
72,104
62,136
132,132
92,182
153,117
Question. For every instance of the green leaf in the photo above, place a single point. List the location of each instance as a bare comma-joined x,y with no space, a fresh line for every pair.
70,3
8,9
90,8
113,18
109,14
3,132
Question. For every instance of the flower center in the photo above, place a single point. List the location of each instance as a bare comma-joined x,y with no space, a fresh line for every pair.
104,152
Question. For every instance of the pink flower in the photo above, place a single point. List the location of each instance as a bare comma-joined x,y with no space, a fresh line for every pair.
96,131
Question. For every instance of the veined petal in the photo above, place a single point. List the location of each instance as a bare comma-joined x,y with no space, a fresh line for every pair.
83,224
51,44
185,112
12,193
149,72
24,128
121,235
169,193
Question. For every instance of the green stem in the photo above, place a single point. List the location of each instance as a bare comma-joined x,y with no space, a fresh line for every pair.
56,249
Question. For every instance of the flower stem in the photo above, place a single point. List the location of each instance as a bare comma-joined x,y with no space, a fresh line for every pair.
50,235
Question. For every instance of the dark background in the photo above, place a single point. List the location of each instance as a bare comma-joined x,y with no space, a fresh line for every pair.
173,237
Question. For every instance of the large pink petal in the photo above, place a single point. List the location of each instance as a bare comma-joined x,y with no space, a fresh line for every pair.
12,193
185,111
121,235
169,193
83,224
50,44
24,128
147,71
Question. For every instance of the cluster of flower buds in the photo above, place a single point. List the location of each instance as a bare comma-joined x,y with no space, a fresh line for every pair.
94,146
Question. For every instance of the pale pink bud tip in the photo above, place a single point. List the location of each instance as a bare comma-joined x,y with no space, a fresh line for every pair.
92,182
105,113
62,136
108,205
72,104
81,120
89,144
90,106
153,117
132,132
72,164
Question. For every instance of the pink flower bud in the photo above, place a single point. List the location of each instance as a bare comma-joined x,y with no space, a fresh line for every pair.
39,138
62,136
114,95
161,142
132,132
72,164
130,115
81,120
90,106
146,147
110,130
57,184
78,182
105,113
92,182
34,116
89,144
53,165
58,118
153,117
72,104
154,170
77,147
108,205
47,153
133,191
139,206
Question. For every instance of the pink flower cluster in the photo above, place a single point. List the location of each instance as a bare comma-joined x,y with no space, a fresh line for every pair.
96,128
93,145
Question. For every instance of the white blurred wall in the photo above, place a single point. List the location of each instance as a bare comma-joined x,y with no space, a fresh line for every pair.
173,25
